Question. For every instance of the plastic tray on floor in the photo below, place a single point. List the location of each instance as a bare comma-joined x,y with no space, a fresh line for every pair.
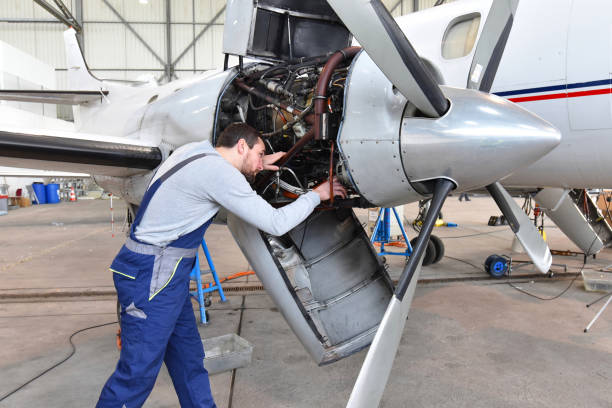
227,352
597,281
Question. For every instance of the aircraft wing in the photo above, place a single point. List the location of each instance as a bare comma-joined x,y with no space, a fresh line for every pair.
52,96
76,152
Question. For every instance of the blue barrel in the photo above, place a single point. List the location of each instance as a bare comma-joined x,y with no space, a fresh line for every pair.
39,189
52,191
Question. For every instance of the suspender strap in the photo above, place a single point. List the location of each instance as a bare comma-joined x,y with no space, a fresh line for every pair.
153,188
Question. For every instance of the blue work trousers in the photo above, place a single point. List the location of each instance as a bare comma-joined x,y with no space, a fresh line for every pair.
157,325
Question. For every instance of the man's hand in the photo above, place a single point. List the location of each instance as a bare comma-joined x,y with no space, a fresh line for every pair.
323,190
268,159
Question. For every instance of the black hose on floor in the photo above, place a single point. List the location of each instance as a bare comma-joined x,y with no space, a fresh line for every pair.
59,363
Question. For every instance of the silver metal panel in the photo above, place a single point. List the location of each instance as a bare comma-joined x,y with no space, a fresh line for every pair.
256,251
481,131
331,275
369,137
238,16
324,235
344,275
338,318
564,213
191,116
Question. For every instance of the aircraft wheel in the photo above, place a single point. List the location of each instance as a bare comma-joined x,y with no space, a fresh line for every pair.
439,248
430,251
496,265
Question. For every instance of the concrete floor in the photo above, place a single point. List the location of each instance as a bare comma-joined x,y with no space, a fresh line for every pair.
469,341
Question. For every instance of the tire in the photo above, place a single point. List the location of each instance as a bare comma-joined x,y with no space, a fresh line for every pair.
488,261
439,248
498,266
430,252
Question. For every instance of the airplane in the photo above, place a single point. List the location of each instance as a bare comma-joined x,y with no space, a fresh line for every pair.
409,114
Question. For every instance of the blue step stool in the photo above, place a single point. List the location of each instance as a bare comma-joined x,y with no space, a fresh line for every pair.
196,275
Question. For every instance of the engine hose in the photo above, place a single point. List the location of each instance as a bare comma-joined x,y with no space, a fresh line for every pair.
320,96
254,91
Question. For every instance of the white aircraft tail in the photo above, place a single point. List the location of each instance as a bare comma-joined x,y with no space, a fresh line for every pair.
79,77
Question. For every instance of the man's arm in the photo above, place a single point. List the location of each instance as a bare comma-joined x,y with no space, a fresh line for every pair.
236,195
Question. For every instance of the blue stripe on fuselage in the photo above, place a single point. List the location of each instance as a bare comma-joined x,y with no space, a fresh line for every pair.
555,88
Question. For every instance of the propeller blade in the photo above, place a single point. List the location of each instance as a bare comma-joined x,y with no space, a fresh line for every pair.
376,368
491,44
527,233
378,33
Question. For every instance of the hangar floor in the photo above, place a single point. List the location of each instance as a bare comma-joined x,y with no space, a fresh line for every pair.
470,340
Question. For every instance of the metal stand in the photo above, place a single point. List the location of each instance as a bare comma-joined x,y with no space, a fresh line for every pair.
382,232
196,275
600,310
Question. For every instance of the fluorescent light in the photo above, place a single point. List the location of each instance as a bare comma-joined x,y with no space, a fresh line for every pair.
143,1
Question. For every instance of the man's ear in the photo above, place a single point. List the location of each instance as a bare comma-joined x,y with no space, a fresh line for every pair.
241,146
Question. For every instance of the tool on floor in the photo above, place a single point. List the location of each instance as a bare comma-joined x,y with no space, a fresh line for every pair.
196,275
382,233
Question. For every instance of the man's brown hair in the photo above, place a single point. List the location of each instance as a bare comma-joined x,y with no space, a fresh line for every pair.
236,131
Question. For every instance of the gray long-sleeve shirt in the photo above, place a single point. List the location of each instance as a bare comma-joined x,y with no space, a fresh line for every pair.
192,195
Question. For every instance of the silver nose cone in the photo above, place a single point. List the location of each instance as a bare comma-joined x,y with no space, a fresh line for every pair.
481,139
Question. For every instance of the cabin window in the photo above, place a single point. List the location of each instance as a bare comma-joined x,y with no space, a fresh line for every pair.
460,36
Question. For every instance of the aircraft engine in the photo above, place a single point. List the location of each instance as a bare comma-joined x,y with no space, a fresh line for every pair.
339,115
334,289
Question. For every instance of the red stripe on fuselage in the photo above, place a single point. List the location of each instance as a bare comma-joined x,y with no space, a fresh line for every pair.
561,95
